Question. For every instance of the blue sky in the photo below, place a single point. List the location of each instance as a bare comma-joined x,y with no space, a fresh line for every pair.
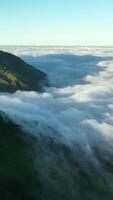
56,22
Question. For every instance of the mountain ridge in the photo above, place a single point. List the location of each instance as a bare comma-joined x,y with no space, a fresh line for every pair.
15,74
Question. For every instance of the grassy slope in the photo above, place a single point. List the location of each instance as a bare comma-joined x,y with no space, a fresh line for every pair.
16,74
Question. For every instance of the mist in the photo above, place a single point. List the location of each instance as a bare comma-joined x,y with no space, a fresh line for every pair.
76,110
79,99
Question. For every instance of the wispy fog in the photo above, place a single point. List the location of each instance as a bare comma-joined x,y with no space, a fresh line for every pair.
75,111
77,108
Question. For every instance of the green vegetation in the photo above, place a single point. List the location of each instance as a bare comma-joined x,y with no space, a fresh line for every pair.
9,78
15,74
7,75
2,81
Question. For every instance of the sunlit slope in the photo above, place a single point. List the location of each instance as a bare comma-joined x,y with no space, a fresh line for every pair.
15,74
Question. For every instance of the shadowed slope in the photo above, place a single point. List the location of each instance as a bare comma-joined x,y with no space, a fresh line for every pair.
41,169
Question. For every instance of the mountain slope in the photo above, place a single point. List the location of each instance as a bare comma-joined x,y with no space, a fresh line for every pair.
39,168
16,170
15,74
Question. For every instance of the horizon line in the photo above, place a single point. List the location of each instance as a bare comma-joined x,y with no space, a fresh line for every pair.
28,45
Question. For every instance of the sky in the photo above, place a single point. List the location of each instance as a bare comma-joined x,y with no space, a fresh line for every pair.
56,22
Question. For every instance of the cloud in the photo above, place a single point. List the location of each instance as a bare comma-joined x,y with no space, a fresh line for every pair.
81,92
77,110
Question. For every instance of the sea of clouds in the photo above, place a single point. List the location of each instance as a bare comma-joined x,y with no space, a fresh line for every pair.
76,110
78,107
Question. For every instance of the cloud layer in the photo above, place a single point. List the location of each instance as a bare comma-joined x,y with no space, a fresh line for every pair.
77,106
76,112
